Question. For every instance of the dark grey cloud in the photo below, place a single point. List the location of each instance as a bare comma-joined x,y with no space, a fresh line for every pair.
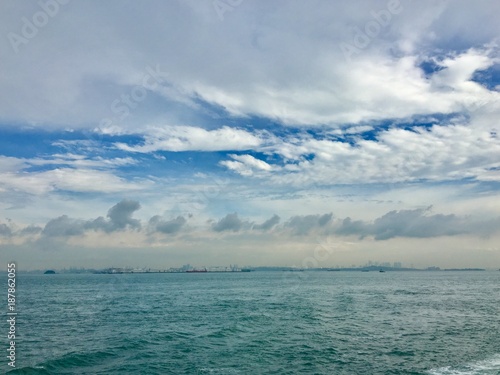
349,227
119,218
416,223
64,226
231,222
5,230
121,213
99,224
268,224
30,230
301,225
157,224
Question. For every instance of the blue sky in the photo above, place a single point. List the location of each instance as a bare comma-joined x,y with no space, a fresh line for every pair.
257,133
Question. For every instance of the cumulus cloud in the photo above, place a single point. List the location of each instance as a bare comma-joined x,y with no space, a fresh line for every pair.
268,224
120,214
30,230
246,165
347,227
119,217
5,230
418,223
231,222
414,223
158,224
302,225
191,138
64,226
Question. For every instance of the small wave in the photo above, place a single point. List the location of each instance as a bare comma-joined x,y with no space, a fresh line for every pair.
68,361
206,370
485,367
29,371
407,292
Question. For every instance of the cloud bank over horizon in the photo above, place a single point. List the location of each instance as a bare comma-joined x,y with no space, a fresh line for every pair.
418,223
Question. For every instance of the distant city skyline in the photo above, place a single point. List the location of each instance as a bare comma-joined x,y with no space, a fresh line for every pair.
184,132
187,268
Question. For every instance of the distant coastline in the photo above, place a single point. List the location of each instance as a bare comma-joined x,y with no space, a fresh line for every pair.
232,269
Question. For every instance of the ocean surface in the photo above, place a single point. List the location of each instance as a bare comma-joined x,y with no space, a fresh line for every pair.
435,323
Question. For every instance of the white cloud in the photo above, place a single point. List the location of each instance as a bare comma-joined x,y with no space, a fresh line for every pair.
261,61
439,153
67,179
458,70
68,172
81,161
11,164
246,165
190,138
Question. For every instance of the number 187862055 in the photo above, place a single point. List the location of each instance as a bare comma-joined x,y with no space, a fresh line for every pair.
11,283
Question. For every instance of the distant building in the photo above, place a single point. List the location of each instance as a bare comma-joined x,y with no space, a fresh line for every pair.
433,268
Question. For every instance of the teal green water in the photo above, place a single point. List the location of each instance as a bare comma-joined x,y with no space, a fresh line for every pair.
259,323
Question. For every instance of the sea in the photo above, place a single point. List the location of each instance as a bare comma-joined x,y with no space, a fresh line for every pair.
311,322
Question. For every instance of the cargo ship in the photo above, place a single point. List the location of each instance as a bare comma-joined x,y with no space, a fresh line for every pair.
196,271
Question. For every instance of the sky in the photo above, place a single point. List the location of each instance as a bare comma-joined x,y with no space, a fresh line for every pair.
217,132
